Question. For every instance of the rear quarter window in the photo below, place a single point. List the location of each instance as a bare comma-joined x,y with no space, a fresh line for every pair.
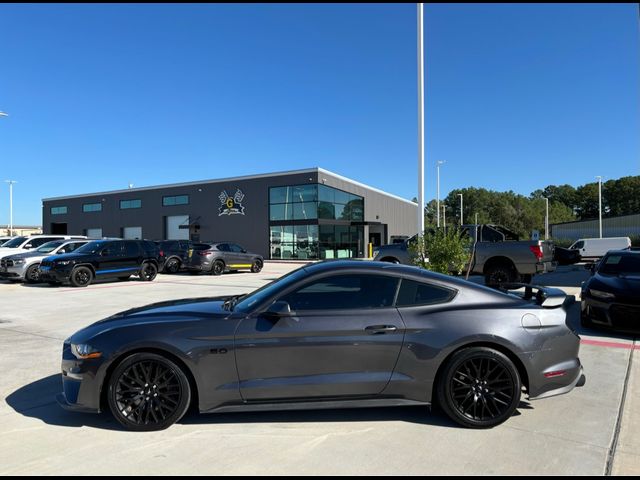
413,294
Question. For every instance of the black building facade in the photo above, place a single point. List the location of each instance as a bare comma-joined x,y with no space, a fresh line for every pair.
303,214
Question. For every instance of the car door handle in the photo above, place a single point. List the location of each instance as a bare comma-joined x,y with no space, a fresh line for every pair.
381,328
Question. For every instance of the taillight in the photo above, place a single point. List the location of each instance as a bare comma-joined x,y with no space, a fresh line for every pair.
161,253
204,253
537,251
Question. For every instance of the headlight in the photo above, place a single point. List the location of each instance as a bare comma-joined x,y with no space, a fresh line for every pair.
601,294
85,352
19,261
63,262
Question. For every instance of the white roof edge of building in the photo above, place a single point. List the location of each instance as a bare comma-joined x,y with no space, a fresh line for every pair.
363,185
229,179
184,184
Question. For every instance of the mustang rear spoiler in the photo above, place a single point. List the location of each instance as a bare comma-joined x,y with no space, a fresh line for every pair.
546,297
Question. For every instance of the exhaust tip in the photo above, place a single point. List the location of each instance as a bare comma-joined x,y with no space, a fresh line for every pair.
582,381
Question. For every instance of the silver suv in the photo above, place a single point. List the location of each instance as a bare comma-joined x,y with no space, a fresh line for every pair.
24,266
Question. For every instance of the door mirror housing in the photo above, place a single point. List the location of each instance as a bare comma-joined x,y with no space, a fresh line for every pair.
278,310
28,246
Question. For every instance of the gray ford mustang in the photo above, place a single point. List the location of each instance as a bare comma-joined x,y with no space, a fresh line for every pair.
335,334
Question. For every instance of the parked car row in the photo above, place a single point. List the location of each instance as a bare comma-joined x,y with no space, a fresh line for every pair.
79,261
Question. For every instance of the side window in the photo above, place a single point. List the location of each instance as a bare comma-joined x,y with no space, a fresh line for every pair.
343,292
111,249
235,248
491,235
38,242
70,247
414,293
223,247
131,249
579,245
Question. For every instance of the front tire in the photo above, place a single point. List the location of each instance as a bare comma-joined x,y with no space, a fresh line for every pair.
81,277
479,388
32,275
256,267
148,392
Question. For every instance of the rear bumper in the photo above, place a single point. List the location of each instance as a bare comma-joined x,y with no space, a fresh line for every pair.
578,381
546,267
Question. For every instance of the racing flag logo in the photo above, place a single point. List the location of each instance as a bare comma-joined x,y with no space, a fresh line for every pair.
231,205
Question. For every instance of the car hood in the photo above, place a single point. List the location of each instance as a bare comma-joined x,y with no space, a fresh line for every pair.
174,311
26,255
627,287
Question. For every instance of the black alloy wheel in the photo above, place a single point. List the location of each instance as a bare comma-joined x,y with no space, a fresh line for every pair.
256,267
172,266
480,388
32,274
148,272
218,267
148,392
81,277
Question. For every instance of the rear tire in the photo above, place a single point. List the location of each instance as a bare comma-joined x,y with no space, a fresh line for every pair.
218,267
81,277
172,266
499,273
148,272
148,392
479,387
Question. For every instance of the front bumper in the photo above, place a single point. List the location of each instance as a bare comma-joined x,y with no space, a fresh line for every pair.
618,316
52,274
14,272
81,383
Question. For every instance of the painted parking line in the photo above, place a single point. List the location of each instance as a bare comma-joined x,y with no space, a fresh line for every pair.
599,343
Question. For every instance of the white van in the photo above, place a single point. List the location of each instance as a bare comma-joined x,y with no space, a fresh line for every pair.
592,248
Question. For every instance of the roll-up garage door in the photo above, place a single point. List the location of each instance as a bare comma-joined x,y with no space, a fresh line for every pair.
174,232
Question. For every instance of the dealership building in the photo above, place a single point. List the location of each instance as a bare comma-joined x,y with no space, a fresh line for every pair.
302,214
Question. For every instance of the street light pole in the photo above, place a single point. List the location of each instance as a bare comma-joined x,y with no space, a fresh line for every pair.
546,221
420,121
438,163
10,182
600,203
461,205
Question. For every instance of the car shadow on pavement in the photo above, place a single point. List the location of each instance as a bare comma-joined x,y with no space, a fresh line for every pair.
38,400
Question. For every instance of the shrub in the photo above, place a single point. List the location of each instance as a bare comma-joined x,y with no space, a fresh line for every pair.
441,252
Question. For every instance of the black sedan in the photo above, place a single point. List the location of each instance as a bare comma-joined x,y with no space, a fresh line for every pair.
335,334
611,297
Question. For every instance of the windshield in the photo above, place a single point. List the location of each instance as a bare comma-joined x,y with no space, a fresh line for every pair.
50,246
256,298
617,264
15,243
91,247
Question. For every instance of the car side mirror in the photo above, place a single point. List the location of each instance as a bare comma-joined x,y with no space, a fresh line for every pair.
28,246
278,310
244,251
60,252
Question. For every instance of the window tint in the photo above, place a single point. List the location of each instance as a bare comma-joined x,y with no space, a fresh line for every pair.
578,245
344,292
38,242
414,293
131,249
112,249
235,248
70,247
223,247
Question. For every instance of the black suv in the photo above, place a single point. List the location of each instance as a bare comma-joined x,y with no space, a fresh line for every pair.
173,255
108,259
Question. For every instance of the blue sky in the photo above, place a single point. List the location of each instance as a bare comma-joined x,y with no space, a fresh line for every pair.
518,96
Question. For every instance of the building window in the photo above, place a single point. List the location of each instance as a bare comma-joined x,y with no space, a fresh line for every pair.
92,207
175,200
58,210
294,241
126,204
